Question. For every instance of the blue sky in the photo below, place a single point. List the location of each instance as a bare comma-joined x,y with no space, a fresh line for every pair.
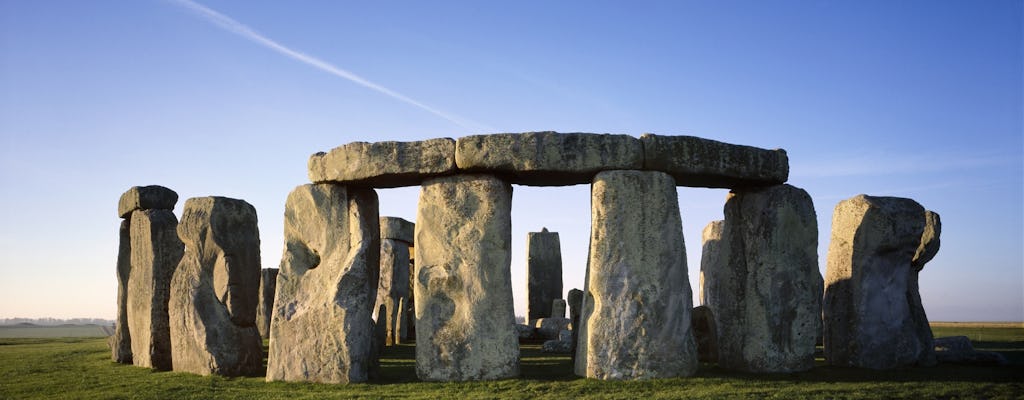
916,99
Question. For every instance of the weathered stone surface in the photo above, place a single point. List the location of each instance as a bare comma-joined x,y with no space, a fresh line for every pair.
393,287
397,229
322,327
464,314
156,251
699,162
929,246
925,252
548,328
762,281
705,333
556,346
384,164
548,158
525,332
558,308
543,273
636,309
265,308
121,340
575,300
869,321
151,197
959,350
215,290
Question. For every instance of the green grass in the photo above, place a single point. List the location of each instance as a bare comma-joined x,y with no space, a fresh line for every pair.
77,368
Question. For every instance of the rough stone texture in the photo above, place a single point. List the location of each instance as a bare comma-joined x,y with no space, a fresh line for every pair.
556,346
393,287
121,340
543,273
558,308
397,229
548,328
636,312
575,300
464,314
146,198
322,327
869,319
699,162
959,350
548,158
384,164
215,290
525,332
762,280
156,251
706,334
929,246
927,250
265,308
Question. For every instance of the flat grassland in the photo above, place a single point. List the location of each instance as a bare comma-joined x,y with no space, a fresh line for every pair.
81,368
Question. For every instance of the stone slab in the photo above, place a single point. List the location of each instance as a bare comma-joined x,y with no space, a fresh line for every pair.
543,273
151,197
700,162
384,164
156,251
397,229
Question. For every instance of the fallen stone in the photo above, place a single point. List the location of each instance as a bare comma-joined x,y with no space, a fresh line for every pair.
265,309
548,328
558,308
463,285
525,332
699,162
548,158
156,251
869,321
543,273
121,340
215,290
146,198
556,346
384,164
397,229
959,350
322,327
765,293
705,333
635,322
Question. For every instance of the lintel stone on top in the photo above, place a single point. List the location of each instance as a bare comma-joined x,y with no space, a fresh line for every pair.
397,229
153,197
699,162
384,164
548,158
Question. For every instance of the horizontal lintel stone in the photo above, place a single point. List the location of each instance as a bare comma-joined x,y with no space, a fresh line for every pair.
151,197
699,162
397,229
384,164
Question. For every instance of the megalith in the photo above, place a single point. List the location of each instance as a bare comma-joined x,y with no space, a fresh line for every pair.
396,235
121,346
215,290
700,162
543,273
265,306
575,300
321,330
465,322
156,251
636,307
869,314
762,282
383,164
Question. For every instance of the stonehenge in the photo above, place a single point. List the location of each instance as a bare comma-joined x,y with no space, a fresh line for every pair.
192,296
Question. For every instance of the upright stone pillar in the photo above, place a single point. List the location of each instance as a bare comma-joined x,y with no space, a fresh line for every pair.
396,237
761,280
139,198
156,251
265,307
636,308
322,329
575,300
543,273
464,314
869,309
215,291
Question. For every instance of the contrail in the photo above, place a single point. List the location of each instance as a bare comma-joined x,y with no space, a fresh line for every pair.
240,29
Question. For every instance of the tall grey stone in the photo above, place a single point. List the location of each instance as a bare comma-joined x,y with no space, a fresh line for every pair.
699,162
575,300
265,308
761,280
558,308
152,197
543,273
384,164
636,308
322,328
156,251
869,318
121,348
927,250
393,286
464,315
215,290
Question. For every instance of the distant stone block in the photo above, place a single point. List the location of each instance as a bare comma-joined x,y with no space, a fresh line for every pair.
699,162
146,198
397,229
384,164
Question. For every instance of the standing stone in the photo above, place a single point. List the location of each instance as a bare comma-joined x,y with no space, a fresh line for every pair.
465,322
762,281
322,327
869,319
265,308
558,308
925,252
543,273
396,236
122,343
215,290
636,311
156,251
706,334
575,308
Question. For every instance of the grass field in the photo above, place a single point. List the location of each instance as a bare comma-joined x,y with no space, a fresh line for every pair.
77,368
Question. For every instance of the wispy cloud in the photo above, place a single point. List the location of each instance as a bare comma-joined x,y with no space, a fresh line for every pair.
233,26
